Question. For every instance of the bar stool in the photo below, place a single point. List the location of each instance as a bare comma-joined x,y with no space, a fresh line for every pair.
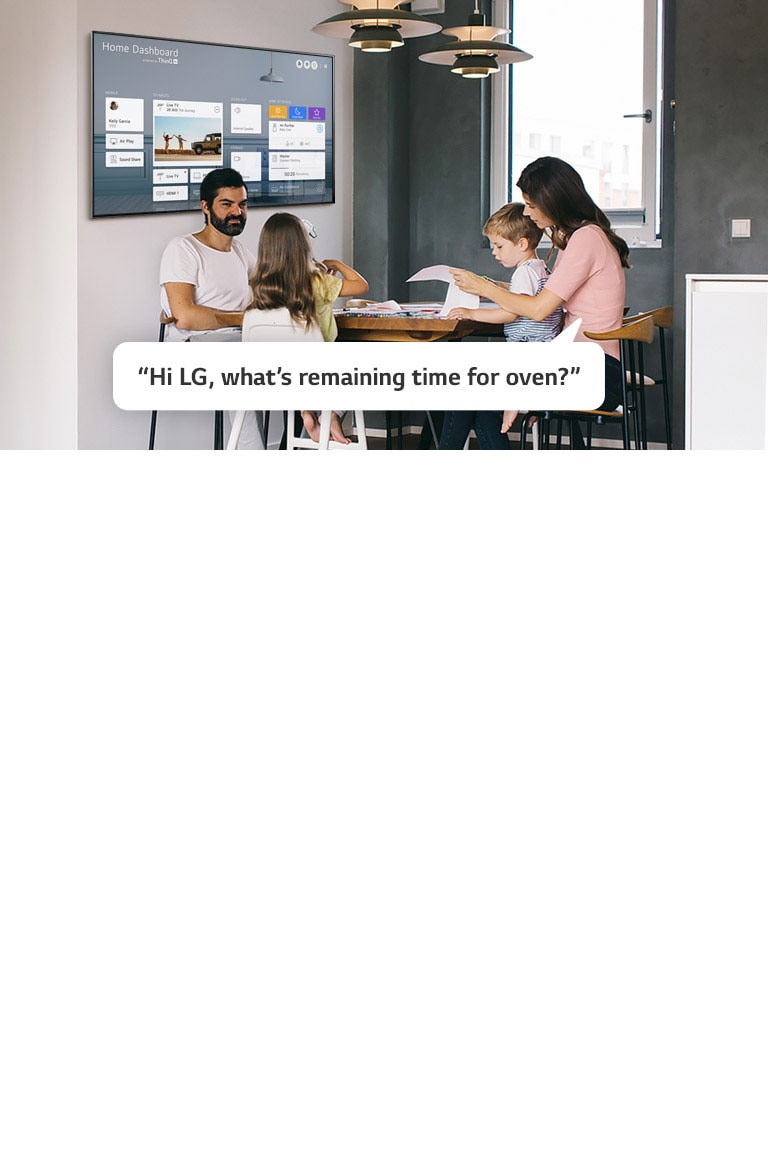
218,416
663,319
529,424
631,336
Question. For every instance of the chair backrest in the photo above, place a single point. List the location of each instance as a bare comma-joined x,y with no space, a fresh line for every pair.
276,325
662,318
633,329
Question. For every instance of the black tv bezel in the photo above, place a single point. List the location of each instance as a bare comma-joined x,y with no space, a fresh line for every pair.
256,203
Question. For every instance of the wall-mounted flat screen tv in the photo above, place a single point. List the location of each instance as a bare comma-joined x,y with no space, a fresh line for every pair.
166,112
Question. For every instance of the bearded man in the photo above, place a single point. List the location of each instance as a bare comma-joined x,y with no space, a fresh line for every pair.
204,276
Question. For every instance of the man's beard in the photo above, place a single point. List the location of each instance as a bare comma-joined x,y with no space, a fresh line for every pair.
229,226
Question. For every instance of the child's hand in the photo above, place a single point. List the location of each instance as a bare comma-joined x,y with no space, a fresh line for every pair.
507,420
469,282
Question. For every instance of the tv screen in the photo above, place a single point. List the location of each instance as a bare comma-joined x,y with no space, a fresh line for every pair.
166,112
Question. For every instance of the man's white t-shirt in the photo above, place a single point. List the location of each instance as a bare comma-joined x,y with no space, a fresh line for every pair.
220,280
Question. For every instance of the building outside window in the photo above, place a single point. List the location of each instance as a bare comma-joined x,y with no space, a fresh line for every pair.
595,72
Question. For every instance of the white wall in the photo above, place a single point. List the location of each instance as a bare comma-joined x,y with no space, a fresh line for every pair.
118,257
38,318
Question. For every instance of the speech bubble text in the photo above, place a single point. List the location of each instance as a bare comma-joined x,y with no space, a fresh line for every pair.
357,375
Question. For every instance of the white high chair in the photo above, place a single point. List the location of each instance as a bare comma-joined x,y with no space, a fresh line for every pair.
294,442
278,325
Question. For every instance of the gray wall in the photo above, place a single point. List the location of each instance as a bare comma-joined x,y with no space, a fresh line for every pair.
118,257
97,279
418,128
721,146
38,321
424,125
381,173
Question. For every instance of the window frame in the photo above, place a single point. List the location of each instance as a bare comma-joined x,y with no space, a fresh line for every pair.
639,233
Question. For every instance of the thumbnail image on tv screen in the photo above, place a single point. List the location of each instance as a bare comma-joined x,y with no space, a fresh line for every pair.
166,112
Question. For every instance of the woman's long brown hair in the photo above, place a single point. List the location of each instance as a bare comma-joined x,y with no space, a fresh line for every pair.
285,269
555,187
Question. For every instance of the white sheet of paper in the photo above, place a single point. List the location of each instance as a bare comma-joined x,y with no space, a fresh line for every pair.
432,273
360,305
455,298
390,306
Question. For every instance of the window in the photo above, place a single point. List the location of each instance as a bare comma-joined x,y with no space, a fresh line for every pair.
590,99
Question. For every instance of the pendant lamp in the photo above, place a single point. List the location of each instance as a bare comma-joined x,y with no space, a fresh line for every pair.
376,25
271,77
478,52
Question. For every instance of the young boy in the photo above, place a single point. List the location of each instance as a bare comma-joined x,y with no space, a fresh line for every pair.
513,239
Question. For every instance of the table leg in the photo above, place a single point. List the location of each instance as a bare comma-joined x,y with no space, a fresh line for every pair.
432,428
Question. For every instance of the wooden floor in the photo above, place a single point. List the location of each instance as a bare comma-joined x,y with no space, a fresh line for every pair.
411,442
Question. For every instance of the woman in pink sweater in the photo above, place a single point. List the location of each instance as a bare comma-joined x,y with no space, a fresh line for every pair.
588,276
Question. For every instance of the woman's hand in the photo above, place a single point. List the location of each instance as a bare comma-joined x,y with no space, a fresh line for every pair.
469,282
462,315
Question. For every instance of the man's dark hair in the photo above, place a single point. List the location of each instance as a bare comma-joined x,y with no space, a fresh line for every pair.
219,179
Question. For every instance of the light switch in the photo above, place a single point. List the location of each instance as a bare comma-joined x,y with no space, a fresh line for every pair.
742,228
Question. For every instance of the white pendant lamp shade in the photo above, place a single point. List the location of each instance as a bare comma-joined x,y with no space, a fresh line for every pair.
478,49
376,25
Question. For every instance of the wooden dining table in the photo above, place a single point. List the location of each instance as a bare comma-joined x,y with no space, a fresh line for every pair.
407,327
414,324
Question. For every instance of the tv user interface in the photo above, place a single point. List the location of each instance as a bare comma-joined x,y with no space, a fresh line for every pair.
166,112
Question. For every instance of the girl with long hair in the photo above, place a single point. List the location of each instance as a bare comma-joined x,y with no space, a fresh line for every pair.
588,277
288,278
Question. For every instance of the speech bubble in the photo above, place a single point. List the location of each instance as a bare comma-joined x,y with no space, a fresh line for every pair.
358,375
